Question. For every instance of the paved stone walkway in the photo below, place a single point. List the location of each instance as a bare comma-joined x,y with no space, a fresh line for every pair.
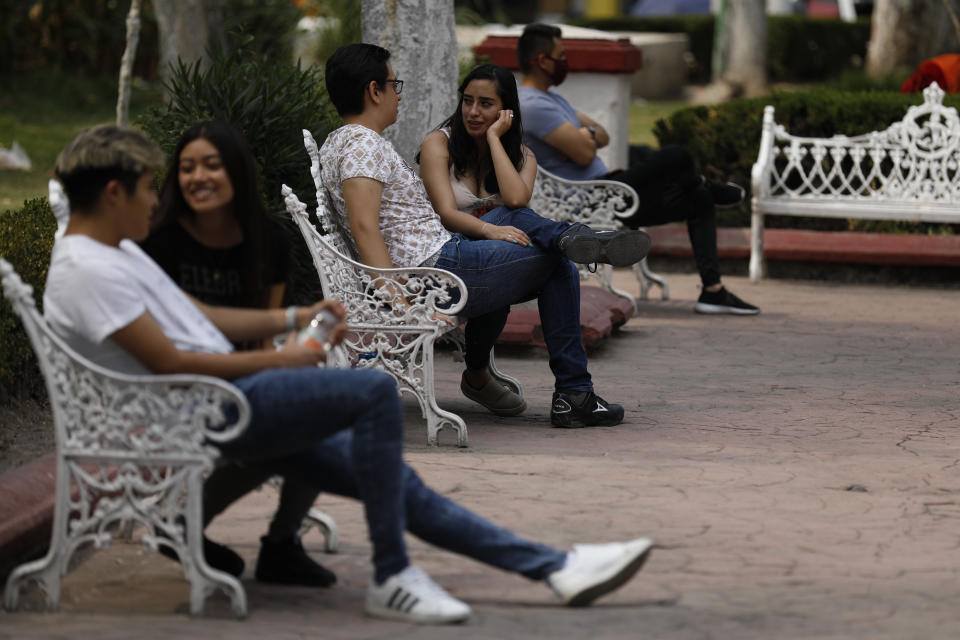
799,470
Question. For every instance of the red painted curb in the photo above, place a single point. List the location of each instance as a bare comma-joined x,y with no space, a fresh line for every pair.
600,313
819,246
26,510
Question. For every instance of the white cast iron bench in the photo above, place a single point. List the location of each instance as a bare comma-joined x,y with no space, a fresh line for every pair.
393,314
602,205
324,523
910,171
129,449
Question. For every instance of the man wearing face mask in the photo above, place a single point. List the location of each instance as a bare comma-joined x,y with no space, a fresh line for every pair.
565,142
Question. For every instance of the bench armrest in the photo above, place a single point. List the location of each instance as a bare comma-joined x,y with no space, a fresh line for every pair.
399,297
601,204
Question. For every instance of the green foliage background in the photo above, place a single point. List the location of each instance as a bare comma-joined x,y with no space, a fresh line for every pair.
26,238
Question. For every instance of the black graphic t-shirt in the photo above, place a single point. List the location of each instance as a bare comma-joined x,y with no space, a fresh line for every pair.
213,276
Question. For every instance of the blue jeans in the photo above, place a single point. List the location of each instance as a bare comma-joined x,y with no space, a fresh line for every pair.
328,466
499,274
295,410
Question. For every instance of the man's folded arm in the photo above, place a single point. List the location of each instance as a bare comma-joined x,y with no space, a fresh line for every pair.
576,144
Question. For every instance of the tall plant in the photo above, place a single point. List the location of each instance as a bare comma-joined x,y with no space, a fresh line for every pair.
269,101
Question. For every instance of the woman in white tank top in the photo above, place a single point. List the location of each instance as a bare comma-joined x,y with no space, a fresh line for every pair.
476,160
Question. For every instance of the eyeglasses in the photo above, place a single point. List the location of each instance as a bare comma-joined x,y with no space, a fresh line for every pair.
397,85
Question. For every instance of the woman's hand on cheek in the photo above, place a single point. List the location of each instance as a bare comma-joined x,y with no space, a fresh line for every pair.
502,124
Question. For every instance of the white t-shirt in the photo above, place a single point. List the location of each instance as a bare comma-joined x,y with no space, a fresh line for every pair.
411,229
93,290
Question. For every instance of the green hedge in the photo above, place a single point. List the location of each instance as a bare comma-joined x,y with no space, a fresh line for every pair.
724,139
26,238
798,48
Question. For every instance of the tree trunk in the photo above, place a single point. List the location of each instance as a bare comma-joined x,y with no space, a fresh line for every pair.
126,63
420,36
744,65
904,33
185,28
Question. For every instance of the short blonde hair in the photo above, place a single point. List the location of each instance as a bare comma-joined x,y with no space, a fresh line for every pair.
104,153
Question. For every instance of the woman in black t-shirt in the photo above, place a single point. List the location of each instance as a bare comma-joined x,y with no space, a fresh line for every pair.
214,238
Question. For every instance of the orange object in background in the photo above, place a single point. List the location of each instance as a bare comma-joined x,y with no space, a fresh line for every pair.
944,70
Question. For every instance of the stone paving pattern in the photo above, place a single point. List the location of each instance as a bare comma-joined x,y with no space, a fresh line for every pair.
799,470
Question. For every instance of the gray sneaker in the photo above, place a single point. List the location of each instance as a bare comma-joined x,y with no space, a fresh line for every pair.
620,248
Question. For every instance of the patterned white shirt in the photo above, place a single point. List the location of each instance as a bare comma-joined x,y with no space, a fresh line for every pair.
411,228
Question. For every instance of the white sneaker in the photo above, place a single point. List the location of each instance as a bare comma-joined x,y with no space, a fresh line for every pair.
595,569
412,596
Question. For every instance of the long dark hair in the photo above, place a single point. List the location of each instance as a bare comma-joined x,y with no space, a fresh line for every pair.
463,149
248,207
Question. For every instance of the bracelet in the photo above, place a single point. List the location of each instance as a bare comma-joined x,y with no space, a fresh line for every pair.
291,318
481,228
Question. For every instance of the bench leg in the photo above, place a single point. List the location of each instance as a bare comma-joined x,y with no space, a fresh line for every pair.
325,523
507,380
204,580
645,276
758,266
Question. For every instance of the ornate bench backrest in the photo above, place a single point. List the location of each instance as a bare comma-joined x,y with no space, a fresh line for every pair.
914,160
100,413
369,298
598,203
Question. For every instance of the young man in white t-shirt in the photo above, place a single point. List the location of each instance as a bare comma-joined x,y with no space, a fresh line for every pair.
337,430
382,202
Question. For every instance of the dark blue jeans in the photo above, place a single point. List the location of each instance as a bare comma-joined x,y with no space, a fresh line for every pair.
328,466
295,410
499,274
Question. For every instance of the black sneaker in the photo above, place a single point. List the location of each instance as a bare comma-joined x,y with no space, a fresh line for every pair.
723,301
620,248
726,195
576,409
286,562
218,556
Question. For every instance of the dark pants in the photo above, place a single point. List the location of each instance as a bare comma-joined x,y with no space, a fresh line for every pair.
671,190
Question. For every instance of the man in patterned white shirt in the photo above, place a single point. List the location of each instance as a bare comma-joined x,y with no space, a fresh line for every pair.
381,200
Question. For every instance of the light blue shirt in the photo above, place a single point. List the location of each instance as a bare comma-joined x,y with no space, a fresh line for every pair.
542,113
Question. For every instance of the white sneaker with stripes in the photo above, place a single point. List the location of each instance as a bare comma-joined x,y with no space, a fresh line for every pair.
412,596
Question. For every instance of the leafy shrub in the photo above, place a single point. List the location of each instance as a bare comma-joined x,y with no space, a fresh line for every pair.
724,139
269,102
798,48
26,238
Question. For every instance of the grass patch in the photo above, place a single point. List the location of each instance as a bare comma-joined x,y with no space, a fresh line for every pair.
643,117
43,110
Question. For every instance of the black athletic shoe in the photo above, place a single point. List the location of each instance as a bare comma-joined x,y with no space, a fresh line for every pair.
576,409
620,248
722,301
218,556
726,195
286,562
